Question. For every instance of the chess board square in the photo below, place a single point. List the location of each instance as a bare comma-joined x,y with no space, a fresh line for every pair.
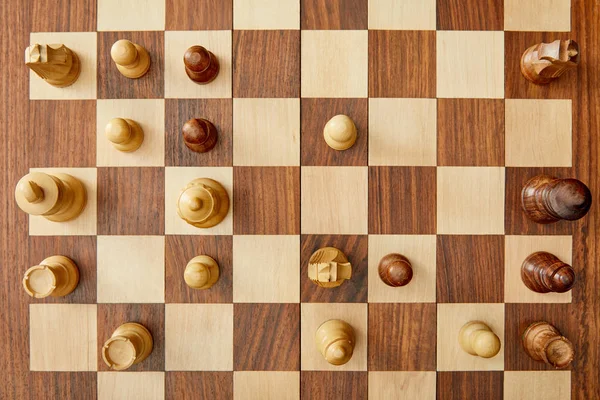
397,71
176,178
131,269
326,205
277,338
538,133
402,337
271,198
450,319
179,250
467,15
470,200
85,223
334,63
471,385
81,43
332,384
136,15
313,315
265,269
266,132
210,348
128,199
150,116
518,248
62,337
189,15
420,251
402,132
266,14
334,14
470,132
402,200
470,269
403,15
397,385
177,83
463,72
131,386
76,15
537,15
548,385
61,384
202,385
266,385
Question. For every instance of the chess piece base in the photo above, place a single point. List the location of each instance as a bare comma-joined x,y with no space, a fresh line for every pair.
71,77
78,203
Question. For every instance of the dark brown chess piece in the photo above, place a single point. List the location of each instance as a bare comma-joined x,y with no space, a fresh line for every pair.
395,270
543,272
543,342
201,65
199,135
546,199
544,62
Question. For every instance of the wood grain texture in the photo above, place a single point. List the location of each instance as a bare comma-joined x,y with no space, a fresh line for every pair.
199,385
317,385
333,14
395,70
470,385
63,16
189,15
402,200
266,63
61,385
271,345
402,337
470,15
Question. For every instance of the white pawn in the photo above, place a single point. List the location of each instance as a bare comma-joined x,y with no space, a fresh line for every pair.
132,60
340,132
477,339
124,134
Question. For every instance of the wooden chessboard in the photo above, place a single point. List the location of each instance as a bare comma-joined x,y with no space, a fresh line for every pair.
449,131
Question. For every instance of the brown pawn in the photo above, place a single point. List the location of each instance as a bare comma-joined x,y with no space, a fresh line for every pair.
543,272
543,342
199,135
395,270
201,65
544,62
546,199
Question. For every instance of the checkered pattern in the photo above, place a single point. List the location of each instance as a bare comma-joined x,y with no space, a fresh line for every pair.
448,133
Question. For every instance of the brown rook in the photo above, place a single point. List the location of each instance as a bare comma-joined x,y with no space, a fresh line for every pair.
543,342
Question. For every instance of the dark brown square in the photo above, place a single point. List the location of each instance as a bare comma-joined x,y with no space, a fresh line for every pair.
334,14
152,316
202,15
470,385
199,385
320,385
217,111
470,269
59,385
402,200
131,201
113,85
470,15
314,115
402,337
396,69
268,200
470,132
273,344
352,290
63,16
266,63
179,250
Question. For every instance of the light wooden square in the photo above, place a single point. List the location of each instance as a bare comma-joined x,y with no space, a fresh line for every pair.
131,385
470,200
266,132
313,315
450,319
417,15
470,64
547,385
334,200
150,115
266,385
266,269
334,63
420,251
418,385
403,132
199,337
178,84
538,133
266,14
537,15
517,249
62,337
176,178
133,15
85,223
84,45
131,269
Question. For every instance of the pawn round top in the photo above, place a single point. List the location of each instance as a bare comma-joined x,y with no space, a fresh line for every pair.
395,270
39,281
199,135
340,132
119,353
571,199
123,52
476,338
201,272
37,193
118,130
196,58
